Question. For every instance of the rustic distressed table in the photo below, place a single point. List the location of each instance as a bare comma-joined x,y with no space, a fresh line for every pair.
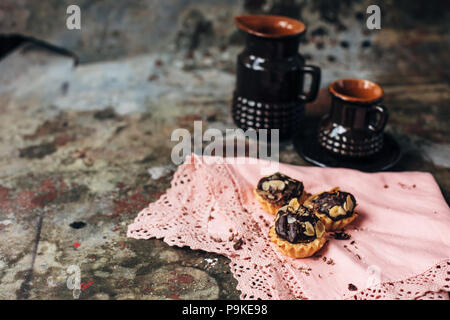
84,148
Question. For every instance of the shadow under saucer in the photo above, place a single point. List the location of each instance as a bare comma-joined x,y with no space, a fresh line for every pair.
309,149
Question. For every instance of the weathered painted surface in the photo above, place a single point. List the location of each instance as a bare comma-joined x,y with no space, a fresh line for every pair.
83,149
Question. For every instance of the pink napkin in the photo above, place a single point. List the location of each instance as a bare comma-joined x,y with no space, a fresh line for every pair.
399,246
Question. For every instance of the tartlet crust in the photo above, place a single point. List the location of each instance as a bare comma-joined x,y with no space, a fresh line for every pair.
273,208
330,224
296,250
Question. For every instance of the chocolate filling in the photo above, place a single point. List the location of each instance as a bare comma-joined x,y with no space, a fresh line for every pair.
279,188
297,226
336,205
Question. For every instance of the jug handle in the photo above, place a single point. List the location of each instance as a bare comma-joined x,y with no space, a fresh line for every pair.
384,116
315,83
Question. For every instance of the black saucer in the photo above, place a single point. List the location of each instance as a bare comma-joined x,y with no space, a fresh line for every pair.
310,150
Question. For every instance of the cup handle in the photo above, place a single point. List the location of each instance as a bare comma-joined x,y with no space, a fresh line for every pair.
315,83
384,116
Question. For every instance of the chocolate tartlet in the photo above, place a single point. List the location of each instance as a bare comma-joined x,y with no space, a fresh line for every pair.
298,232
335,208
276,190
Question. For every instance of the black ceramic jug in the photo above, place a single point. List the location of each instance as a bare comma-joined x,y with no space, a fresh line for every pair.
269,91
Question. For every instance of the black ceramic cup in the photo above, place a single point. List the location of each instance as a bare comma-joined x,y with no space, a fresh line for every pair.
354,127
270,91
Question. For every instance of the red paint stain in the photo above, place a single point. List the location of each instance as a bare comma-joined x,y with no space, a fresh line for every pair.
175,283
158,195
123,245
132,203
63,139
43,199
174,296
172,288
22,201
48,127
48,191
146,290
4,194
184,278
76,244
84,286
16,202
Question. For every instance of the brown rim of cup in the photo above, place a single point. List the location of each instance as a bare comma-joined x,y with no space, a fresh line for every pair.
269,26
356,90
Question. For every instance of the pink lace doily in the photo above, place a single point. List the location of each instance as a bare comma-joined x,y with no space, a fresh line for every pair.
206,208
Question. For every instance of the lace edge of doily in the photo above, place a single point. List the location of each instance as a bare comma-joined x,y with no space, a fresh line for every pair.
395,287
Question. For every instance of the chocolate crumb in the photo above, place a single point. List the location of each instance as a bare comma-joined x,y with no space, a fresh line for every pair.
324,259
386,186
340,235
352,287
238,244
330,261
353,242
216,239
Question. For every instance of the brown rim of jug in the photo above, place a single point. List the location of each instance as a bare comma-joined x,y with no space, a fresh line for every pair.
356,90
269,26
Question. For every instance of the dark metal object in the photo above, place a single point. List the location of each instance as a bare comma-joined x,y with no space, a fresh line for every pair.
9,42
269,90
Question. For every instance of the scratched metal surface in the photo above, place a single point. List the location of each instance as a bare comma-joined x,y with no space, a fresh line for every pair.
83,149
